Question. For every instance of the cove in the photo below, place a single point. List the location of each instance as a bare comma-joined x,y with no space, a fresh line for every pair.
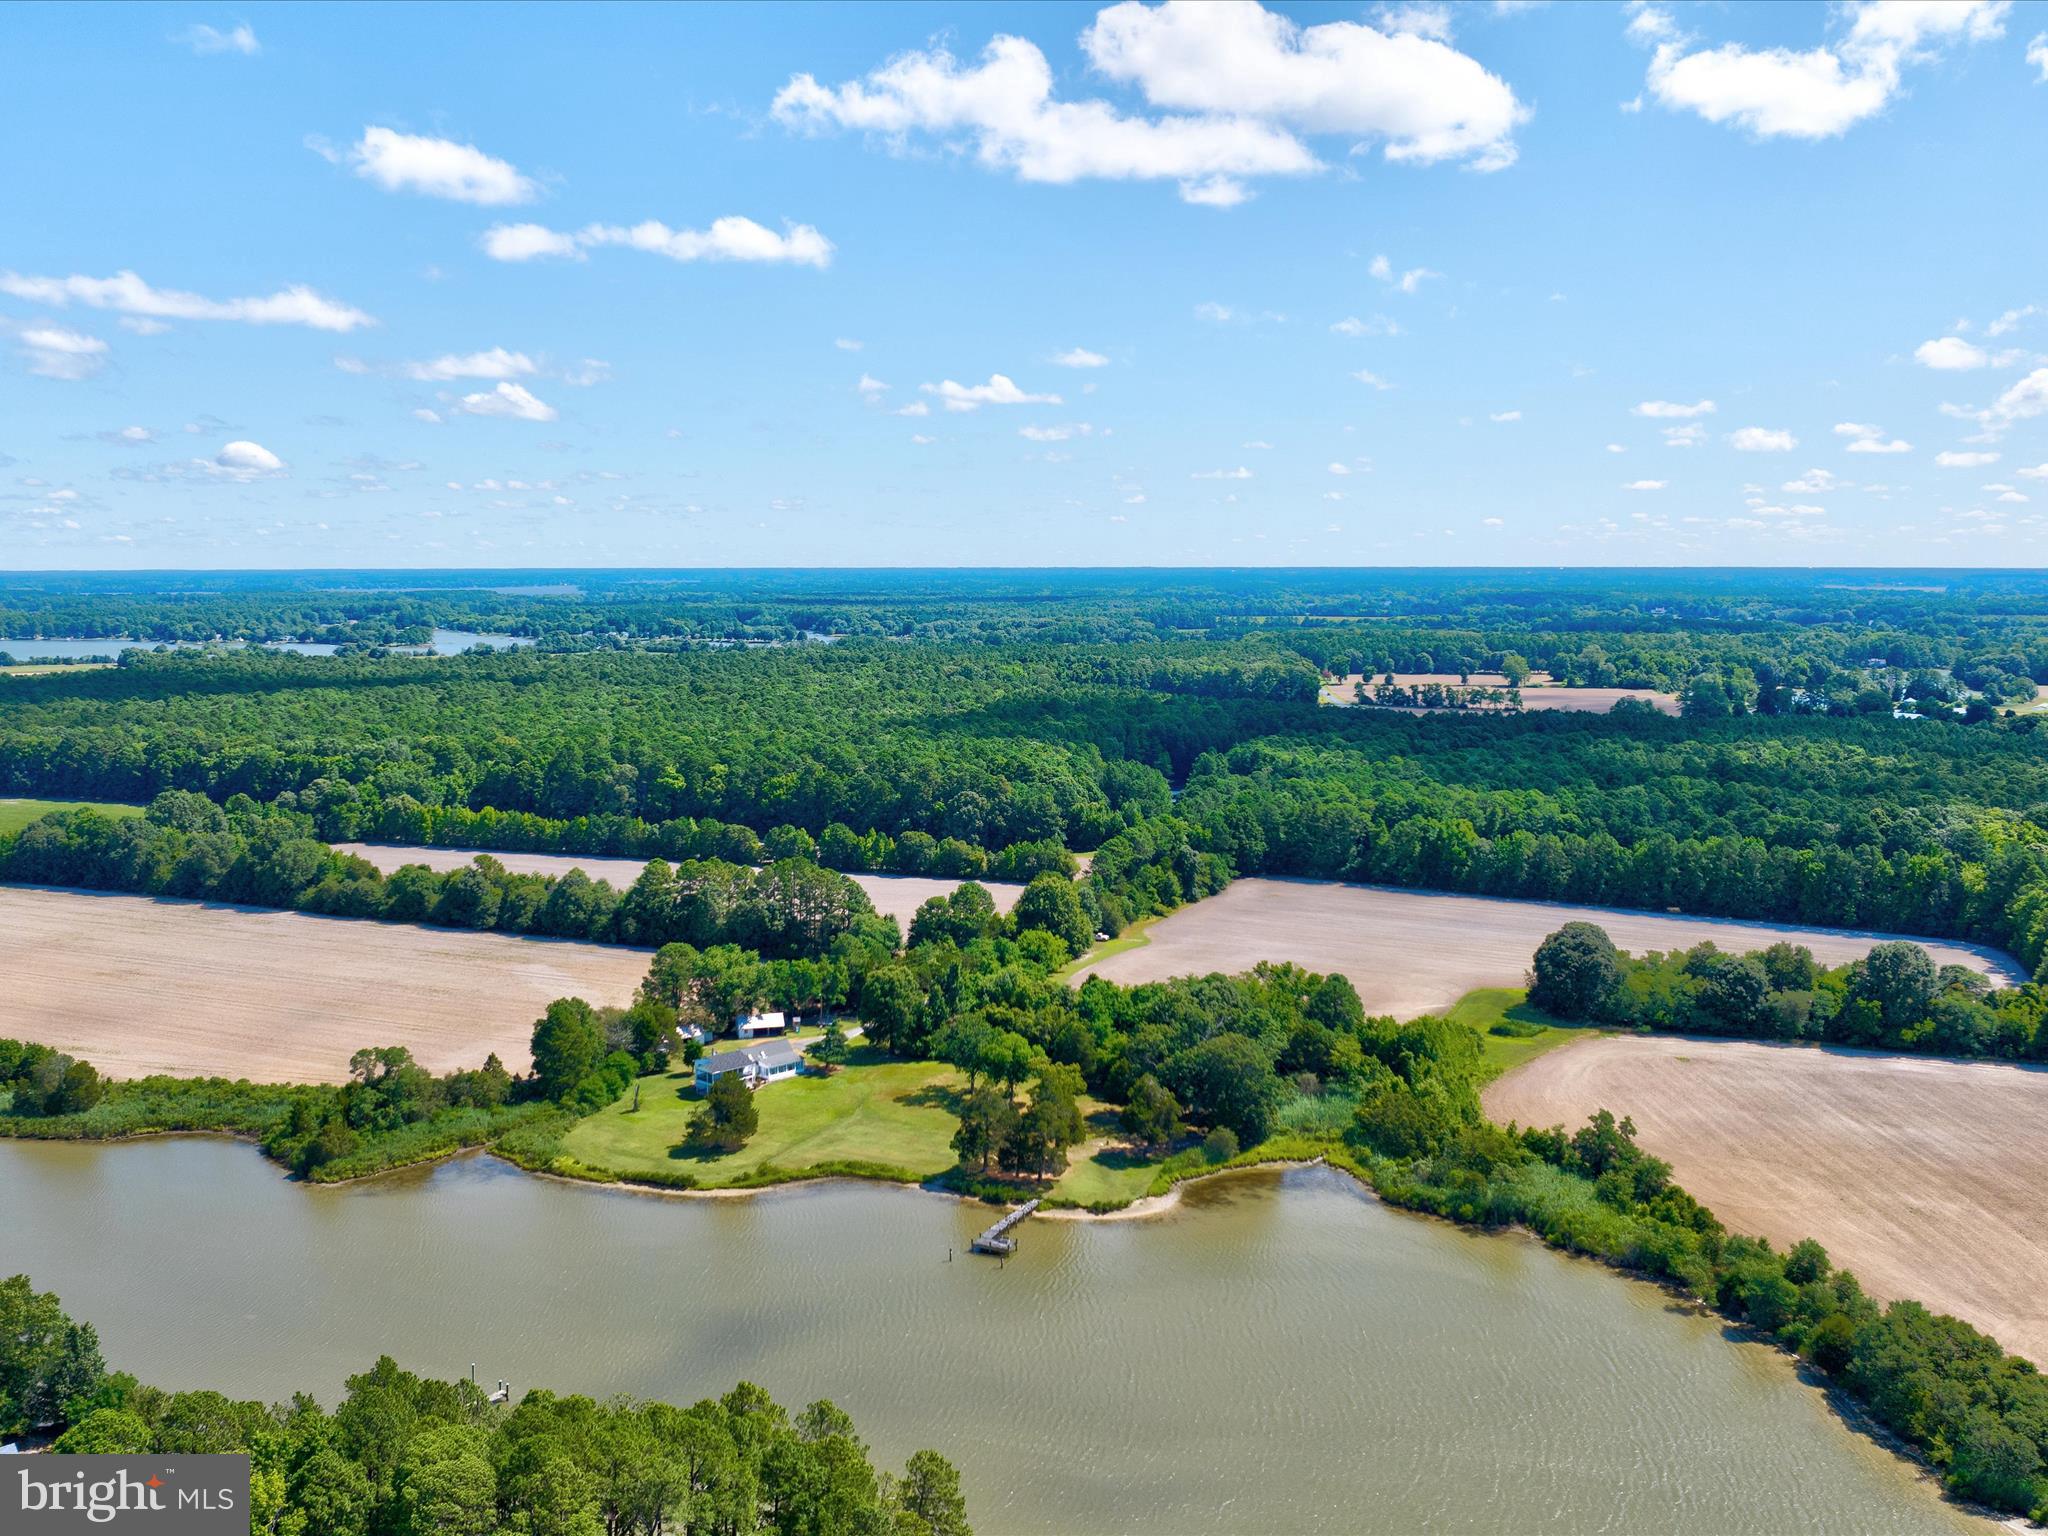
1277,1353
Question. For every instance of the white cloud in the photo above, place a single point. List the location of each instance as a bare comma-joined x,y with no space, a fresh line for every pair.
494,364
591,371
1239,473
1505,416
2037,472
2027,398
1367,376
1409,281
1378,325
847,344
240,39
870,388
1762,440
141,325
1664,408
1646,485
1616,448
1339,469
1950,459
1814,482
1814,93
407,162
1867,438
2037,54
1221,314
999,390
1689,436
1492,522
2012,317
915,408
128,294
1058,433
244,460
1232,86
921,440
728,239
1951,354
56,353
513,400
525,242
1080,357
428,415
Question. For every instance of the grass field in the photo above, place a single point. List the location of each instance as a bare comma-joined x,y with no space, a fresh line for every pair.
16,814
875,1110
1538,693
1135,936
1923,1176
138,985
1416,952
1486,1007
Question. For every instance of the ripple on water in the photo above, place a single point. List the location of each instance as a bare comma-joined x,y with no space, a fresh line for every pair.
1278,1353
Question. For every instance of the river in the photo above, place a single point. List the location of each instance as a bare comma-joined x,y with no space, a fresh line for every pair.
1278,1353
445,642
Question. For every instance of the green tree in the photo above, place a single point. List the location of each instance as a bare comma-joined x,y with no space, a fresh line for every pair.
568,1043
1152,1115
1052,903
1575,971
928,1499
729,1115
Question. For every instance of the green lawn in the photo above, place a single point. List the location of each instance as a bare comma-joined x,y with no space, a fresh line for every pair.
1501,1053
1133,937
875,1110
16,814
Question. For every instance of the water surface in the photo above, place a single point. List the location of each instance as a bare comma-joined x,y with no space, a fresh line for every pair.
1278,1354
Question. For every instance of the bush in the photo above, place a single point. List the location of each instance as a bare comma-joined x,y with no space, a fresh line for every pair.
1220,1145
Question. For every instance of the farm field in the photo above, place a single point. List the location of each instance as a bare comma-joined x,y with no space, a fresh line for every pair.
139,985
897,896
1415,952
16,814
1923,1176
1538,693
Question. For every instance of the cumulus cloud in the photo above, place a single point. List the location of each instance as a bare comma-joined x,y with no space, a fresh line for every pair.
871,389
1645,485
1951,354
1814,482
999,390
1368,377
2037,472
1231,86
1950,459
847,344
1410,281
494,364
128,294
728,239
1762,440
2023,401
1867,438
1505,416
1239,473
511,400
409,162
1668,408
1058,433
240,39
1813,93
55,353
1689,436
244,460
2037,54
1080,357
1378,325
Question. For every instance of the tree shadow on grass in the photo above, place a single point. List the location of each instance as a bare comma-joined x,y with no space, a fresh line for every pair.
936,1096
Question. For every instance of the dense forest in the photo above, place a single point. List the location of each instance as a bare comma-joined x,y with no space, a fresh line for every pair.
405,1455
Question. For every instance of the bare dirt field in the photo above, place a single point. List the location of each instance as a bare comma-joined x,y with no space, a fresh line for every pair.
1538,693
138,985
897,896
1412,952
1922,1176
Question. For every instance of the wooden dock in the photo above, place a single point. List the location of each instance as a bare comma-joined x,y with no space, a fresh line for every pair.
996,1239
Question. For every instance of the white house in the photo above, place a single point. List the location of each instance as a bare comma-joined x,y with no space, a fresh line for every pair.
753,1026
696,1032
756,1064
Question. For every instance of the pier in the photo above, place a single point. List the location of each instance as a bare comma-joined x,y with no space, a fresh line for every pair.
996,1239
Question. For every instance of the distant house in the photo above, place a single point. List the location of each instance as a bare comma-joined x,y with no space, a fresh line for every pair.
696,1032
756,1064
753,1026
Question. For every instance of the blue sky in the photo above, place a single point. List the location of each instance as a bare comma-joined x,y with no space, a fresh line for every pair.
1047,284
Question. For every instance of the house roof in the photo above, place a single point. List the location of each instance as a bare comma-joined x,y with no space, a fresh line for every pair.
774,1053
